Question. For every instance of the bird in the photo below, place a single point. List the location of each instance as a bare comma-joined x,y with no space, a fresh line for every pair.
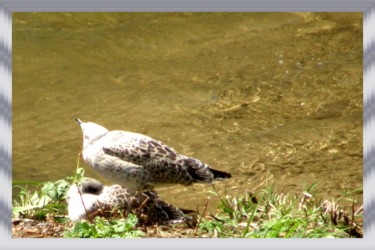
91,198
139,162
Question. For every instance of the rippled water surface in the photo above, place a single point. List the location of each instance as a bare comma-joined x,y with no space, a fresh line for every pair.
273,97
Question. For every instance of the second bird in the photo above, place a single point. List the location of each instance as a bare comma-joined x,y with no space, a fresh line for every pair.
139,162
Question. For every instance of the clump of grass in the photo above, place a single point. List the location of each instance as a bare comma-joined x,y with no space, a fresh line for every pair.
37,204
47,198
281,216
266,214
103,228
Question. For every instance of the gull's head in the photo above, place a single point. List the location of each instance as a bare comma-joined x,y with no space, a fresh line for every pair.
87,187
91,132
81,200
92,186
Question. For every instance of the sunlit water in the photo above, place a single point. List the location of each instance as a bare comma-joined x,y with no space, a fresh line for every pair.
272,98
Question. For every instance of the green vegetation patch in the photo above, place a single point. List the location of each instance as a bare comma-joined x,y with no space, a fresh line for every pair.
265,214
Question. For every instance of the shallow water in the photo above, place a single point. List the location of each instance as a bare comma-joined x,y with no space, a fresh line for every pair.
269,97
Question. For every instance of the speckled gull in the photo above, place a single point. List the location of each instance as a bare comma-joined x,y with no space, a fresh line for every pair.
139,162
100,200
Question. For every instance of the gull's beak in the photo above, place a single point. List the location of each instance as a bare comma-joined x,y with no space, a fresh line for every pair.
78,121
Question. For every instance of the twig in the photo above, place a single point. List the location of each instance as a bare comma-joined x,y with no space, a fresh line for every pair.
79,191
200,219
79,157
352,220
84,206
359,210
217,219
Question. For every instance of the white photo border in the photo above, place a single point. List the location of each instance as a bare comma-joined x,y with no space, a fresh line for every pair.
8,7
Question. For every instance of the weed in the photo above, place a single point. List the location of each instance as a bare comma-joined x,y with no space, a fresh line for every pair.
47,197
103,228
266,214
279,215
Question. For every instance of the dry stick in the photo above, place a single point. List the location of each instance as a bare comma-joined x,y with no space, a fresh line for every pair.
137,196
79,191
200,219
144,202
352,220
217,219
359,210
87,214
79,157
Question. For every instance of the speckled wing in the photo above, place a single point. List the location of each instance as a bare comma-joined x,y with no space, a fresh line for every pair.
165,164
140,150
162,162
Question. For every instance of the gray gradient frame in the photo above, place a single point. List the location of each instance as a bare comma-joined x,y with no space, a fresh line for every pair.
7,7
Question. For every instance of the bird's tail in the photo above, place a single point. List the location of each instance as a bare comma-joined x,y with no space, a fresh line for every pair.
200,172
160,212
220,175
